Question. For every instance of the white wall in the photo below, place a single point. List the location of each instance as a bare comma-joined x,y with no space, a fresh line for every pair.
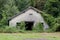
36,17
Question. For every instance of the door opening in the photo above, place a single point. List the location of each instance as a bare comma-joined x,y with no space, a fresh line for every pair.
29,25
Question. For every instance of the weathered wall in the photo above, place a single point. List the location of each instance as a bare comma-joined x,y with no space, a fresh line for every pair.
36,17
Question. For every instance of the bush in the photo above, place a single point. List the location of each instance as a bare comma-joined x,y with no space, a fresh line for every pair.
21,26
49,19
11,30
38,27
55,27
52,7
53,23
8,29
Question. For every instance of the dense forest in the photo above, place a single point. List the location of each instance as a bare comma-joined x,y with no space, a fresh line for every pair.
50,8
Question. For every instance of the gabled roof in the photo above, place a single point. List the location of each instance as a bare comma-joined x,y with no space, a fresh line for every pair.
30,7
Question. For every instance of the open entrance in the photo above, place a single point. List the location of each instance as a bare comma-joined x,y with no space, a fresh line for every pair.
29,25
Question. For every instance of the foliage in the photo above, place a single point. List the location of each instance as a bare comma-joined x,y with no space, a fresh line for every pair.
52,7
11,30
39,4
9,8
21,25
58,20
53,23
8,29
22,4
38,27
55,28
49,19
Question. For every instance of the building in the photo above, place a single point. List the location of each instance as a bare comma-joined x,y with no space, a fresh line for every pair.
31,16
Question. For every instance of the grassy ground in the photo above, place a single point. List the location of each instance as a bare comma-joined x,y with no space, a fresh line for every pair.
23,36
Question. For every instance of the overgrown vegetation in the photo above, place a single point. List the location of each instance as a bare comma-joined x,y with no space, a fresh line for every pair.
21,28
51,8
8,29
38,27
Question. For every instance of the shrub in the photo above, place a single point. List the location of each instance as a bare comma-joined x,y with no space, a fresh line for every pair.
49,19
2,30
21,26
52,7
55,27
38,27
8,29
53,23
11,30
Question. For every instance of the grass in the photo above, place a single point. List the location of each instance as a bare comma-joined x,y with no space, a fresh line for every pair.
21,36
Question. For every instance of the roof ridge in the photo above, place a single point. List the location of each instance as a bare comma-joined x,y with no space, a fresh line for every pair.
30,7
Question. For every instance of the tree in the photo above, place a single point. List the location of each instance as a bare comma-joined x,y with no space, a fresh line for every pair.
22,4
39,4
2,2
9,9
52,7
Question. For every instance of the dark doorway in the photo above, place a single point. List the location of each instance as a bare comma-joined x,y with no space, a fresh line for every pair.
29,25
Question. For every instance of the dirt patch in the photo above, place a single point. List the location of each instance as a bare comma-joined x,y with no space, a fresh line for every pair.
35,39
